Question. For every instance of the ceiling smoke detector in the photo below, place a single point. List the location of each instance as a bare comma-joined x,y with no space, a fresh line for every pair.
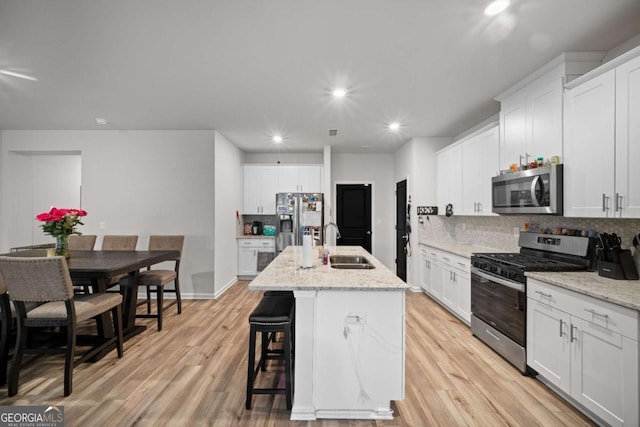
333,132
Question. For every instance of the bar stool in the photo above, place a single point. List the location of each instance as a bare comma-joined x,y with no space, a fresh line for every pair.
274,313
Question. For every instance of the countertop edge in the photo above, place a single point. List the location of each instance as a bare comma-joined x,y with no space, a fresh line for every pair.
596,286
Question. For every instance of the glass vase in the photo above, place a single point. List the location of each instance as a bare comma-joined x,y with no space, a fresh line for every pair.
62,246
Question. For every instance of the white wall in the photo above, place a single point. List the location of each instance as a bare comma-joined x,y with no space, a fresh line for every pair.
134,182
416,162
376,169
228,201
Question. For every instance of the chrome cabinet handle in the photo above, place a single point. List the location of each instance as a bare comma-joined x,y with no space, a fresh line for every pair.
544,295
561,330
573,337
604,316
605,202
618,203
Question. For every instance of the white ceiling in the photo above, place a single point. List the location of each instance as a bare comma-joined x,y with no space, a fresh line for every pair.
252,68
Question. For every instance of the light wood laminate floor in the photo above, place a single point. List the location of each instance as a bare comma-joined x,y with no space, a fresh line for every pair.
193,373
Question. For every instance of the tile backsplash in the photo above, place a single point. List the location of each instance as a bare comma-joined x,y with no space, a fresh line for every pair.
501,232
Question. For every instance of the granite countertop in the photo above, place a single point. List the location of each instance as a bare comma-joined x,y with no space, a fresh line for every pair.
251,236
285,273
460,249
622,292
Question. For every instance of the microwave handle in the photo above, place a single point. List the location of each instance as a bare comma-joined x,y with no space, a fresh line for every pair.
534,184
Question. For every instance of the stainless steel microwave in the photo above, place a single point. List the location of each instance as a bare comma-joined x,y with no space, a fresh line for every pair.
533,191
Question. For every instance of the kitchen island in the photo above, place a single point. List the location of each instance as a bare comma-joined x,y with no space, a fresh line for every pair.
349,337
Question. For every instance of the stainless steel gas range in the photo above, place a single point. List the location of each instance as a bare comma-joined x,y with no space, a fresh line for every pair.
498,288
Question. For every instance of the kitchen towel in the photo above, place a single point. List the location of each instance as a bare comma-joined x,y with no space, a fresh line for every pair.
307,251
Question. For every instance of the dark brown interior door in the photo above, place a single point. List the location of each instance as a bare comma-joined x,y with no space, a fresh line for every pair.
353,215
401,230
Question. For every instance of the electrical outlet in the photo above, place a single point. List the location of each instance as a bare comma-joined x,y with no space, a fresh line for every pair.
102,225
516,231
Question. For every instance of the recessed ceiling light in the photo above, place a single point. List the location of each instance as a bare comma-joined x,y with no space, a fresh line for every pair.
101,121
394,126
339,93
277,139
18,75
496,7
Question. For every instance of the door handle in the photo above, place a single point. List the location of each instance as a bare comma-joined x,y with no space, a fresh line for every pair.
369,233
561,329
534,185
573,337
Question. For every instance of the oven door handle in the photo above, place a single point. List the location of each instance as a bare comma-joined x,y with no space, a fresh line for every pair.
513,285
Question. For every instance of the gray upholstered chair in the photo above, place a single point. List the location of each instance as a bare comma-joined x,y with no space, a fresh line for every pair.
82,242
119,243
47,281
158,279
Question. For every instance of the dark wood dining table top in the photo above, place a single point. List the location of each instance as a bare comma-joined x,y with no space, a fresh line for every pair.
105,264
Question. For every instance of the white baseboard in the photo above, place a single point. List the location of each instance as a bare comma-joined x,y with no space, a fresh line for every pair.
143,295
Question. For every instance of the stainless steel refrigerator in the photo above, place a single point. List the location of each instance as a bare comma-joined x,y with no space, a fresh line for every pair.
297,214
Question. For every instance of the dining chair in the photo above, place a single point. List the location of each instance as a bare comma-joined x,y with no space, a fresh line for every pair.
158,279
46,280
112,242
119,242
82,242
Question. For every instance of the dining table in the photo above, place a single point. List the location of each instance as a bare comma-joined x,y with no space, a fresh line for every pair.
106,269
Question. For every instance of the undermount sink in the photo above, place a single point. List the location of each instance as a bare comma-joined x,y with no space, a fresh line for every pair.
350,262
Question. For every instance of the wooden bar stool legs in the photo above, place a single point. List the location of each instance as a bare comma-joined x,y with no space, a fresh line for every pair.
273,314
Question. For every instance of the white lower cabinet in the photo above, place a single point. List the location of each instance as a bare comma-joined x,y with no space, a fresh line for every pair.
587,348
447,279
248,250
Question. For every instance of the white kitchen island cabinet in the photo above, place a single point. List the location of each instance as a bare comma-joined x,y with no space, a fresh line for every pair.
349,335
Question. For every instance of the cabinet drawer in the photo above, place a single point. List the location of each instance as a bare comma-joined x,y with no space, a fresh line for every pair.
257,243
599,313
457,262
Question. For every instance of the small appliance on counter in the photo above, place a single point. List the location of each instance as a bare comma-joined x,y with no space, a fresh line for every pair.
256,228
613,261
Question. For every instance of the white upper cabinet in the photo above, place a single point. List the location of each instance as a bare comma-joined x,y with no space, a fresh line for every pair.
260,185
531,122
300,179
531,112
449,179
628,139
589,148
479,164
602,142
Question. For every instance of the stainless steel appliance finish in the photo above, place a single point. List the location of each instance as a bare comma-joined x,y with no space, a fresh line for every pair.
298,213
533,191
498,287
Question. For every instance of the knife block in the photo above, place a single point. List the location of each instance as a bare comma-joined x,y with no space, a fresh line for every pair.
624,269
611,270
